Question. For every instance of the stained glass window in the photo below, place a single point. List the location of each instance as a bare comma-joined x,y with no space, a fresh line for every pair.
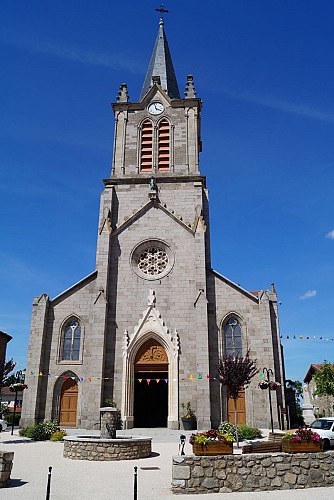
233,337
71,341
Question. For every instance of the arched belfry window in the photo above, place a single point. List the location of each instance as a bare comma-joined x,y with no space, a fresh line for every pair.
163,145
233,337
71,336
146,151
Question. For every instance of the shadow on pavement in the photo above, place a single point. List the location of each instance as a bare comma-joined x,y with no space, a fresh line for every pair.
15,483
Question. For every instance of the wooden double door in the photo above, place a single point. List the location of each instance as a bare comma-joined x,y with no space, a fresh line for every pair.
68,403
241,409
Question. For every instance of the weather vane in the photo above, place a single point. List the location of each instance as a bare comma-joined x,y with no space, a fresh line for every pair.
162,10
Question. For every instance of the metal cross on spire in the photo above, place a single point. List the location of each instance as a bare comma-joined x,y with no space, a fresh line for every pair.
162,10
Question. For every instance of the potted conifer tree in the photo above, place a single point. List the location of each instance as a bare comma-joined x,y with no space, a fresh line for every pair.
188,417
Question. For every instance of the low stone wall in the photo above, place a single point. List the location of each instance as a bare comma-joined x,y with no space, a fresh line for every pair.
255,472
91,448
6,465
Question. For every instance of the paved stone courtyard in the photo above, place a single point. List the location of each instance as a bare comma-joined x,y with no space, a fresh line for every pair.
111,480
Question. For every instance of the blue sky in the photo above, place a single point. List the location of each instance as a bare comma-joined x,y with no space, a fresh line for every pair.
264,70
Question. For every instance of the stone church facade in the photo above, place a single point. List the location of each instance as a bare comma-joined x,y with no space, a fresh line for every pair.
149,325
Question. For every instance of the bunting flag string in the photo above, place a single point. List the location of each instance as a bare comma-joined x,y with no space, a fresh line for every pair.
306,337
190,377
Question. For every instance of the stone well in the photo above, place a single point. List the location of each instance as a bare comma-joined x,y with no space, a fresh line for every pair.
95,448
107,446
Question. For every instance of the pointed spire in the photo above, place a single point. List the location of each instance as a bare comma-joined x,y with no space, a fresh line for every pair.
161,65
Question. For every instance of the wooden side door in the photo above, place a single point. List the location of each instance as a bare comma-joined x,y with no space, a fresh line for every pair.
68,403
241,409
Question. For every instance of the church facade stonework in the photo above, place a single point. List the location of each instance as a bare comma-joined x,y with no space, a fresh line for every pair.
149,325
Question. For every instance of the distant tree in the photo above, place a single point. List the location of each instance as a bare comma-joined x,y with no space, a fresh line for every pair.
5,369
235,373
297,387
324,380
14,378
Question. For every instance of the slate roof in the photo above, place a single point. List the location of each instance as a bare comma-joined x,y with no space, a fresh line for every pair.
161,65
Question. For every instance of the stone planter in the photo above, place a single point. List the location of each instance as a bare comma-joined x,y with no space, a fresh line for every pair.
303,447
213,448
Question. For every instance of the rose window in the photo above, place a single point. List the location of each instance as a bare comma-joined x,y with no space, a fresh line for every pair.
152,261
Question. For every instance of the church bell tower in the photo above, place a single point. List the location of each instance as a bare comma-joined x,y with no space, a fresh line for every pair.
153,249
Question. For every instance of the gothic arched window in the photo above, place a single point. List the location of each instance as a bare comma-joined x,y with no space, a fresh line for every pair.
163,145
71,336
146,151
232,337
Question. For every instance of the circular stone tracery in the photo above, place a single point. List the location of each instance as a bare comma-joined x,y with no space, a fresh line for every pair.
152,261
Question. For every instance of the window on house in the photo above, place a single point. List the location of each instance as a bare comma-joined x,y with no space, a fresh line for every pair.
71,341
163,145
233,337
146,152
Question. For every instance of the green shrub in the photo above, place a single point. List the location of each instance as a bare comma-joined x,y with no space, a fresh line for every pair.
10,416
109,401
44,430
249,432
27,431
58,435
244,431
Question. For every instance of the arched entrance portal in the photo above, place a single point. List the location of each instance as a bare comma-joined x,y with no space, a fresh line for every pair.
151,385
68,403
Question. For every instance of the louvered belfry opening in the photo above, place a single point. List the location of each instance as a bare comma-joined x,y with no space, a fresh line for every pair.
146,156
163,145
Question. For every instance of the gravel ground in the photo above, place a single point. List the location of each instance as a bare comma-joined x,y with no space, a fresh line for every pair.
83,480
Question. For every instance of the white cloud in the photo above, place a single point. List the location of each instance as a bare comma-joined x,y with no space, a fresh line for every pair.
308,295
330,235
116,60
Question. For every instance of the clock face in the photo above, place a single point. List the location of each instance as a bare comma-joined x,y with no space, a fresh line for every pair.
156,108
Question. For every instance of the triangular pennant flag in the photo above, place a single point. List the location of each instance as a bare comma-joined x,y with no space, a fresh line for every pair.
89,379
65,377
166,380
191,377
82,379
200,376
294,336
307,338
208,376
262,375
301,337
140,380
287,337
148,380
32,373
40,374
157,380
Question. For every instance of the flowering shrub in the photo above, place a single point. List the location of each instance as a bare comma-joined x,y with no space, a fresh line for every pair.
302,435
204,438
228,428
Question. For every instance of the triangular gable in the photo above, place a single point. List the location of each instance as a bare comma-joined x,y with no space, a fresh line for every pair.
148,206
235,286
